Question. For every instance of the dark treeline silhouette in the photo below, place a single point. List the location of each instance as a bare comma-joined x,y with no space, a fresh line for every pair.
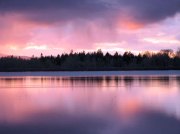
164,59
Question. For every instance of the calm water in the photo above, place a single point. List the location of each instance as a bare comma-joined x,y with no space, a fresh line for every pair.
90,103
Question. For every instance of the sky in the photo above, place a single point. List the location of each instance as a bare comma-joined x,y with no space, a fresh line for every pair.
32,27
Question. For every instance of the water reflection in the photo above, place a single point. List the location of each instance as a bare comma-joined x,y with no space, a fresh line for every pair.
90,105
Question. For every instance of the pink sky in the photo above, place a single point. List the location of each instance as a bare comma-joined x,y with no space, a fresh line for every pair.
23,36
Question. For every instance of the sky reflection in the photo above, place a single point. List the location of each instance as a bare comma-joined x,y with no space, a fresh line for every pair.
89,104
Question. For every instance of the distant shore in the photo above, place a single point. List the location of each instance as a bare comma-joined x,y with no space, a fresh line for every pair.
95,61
84,69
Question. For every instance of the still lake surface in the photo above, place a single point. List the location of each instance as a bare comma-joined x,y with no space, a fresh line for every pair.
135,102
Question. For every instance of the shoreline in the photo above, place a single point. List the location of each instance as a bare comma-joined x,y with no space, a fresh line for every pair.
86,69
175,73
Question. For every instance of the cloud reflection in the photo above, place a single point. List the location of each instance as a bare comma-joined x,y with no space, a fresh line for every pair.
89,104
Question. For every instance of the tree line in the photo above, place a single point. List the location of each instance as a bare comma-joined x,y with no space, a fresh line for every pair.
77,61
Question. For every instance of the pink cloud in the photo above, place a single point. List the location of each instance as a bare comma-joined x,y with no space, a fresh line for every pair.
19,36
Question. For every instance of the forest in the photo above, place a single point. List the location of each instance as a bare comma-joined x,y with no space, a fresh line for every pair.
94,61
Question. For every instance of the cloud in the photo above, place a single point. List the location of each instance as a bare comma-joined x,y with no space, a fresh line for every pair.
149,11
144,11
161,41
87,25
49,11
36,47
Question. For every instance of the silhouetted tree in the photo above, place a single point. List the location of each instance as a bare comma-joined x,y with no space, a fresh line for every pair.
164,59
128,57
178,53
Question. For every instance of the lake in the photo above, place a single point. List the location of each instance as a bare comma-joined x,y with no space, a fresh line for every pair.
116,102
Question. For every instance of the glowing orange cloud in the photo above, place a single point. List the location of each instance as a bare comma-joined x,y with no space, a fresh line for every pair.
130,24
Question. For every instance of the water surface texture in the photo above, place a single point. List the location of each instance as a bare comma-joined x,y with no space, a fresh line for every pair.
89,104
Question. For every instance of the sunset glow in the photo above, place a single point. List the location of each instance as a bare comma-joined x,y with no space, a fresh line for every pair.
60,27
